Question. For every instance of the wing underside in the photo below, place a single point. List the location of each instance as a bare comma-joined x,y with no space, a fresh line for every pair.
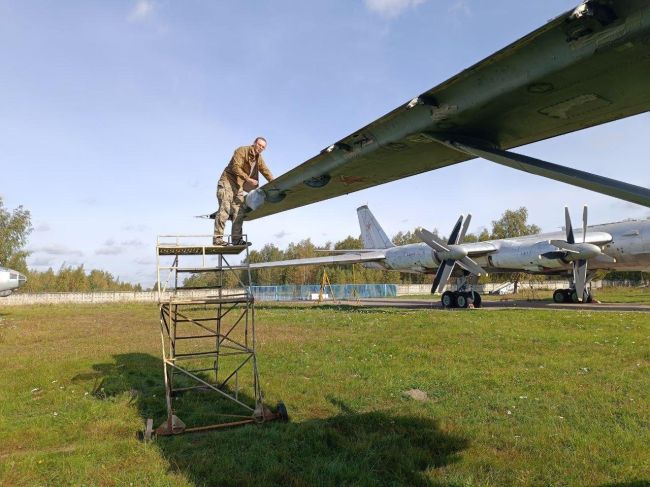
576,71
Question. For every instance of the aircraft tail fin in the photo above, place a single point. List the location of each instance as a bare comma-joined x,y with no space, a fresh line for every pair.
372,235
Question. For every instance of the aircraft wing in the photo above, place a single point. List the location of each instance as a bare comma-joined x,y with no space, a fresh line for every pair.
350,258
585,67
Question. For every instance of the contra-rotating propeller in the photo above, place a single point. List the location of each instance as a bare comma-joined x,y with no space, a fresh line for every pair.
578,253
451,254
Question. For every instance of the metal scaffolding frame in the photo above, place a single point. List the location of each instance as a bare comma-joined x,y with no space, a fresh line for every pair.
208,333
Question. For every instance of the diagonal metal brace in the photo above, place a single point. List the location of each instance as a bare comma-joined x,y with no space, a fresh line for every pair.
582,179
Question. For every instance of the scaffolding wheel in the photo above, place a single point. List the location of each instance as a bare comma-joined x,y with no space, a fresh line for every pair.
282,412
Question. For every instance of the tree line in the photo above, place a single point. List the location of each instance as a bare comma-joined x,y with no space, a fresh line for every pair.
75,279
15,227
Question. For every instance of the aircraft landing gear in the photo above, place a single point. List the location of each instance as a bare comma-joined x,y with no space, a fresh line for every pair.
460,299
570,296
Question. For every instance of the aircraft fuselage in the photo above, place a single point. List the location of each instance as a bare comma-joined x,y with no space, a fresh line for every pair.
629,245
10,280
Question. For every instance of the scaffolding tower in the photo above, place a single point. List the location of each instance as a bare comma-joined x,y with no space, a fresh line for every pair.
207,331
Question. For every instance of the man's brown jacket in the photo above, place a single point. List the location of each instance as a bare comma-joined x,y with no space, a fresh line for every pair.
245,164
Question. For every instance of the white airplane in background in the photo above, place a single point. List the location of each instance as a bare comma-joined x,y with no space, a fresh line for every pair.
623,246
10,280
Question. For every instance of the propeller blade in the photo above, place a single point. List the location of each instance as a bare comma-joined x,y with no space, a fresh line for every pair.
464,230
580,277
442,276
428,238
453,237
569,227
438,276
584,224
470,266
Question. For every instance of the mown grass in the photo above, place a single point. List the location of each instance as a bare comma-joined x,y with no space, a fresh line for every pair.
515,397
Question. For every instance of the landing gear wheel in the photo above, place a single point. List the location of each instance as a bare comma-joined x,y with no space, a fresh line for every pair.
448,300
282,412
559,296
574,296
461,300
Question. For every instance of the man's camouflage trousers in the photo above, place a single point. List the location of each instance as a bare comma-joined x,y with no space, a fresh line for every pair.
231,207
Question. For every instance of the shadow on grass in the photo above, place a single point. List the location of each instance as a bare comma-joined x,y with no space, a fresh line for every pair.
351,448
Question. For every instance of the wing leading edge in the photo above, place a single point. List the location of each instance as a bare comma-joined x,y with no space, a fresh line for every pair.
586,67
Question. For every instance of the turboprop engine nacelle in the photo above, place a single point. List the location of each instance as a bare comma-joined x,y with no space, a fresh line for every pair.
518,257
410,256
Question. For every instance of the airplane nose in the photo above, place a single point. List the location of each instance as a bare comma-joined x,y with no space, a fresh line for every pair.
21,280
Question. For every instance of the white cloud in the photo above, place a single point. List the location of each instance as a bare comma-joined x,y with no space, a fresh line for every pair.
42,227
109,251
89,201
110,248
141,11
135,228
391,8
57,250
460,7
132,243
41,262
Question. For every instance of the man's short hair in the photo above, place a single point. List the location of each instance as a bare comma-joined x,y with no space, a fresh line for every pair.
260,138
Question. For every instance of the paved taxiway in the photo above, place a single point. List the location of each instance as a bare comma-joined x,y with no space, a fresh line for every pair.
494,305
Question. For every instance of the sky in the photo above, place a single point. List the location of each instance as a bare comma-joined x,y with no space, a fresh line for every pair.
117,118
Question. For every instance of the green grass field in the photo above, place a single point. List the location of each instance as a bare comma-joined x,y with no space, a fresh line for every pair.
514,397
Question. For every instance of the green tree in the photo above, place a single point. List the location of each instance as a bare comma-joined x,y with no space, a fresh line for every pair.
513,223
15,227
75,279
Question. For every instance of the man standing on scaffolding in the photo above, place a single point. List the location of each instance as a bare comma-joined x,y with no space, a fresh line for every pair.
239,177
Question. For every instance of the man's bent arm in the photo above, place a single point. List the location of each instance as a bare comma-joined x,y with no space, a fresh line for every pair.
265,170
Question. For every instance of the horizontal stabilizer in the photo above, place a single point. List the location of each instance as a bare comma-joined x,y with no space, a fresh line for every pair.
349,258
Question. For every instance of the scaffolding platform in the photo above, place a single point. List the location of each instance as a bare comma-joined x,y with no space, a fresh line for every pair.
207,330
